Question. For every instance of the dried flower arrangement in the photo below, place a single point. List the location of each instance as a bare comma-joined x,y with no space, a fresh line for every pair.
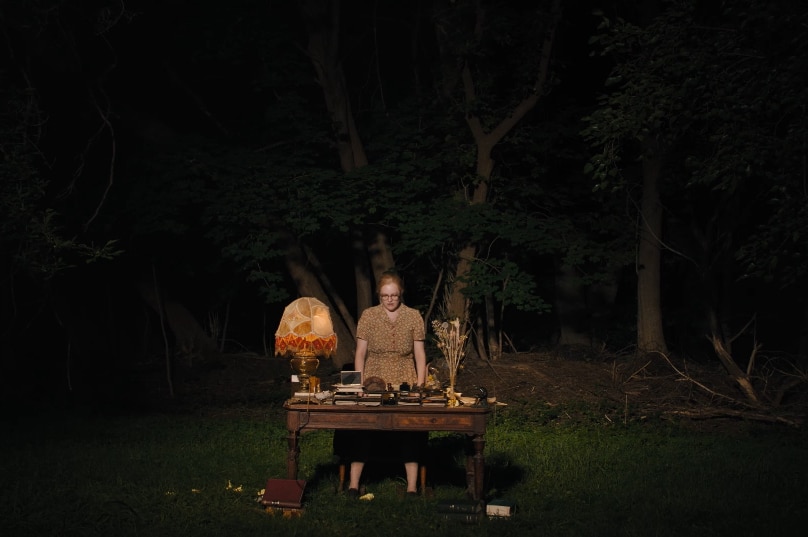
452,344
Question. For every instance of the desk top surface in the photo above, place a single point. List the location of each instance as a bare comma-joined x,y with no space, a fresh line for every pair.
415,409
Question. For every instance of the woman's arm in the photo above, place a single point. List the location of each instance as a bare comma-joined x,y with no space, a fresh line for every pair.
420,361
359,356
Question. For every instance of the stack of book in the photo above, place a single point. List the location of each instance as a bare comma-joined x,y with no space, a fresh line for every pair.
371,399
434,400
467,511
500,508
412,399
348,394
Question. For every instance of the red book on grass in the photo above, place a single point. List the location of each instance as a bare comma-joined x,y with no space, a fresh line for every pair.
284,493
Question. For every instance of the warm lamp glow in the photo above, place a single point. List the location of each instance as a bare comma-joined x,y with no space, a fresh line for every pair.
306,327
305,332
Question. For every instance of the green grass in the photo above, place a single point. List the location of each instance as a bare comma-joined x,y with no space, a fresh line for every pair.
79,474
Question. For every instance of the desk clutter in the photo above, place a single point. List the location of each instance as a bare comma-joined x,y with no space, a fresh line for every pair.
377,394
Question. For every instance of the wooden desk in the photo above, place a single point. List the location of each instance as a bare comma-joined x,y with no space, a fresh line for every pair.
463,419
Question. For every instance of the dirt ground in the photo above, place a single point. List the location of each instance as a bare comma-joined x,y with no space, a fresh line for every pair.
618,389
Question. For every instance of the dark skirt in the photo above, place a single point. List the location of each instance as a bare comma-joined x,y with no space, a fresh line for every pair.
361,446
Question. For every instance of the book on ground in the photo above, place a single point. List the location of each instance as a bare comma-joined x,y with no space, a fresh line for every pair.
466,511
287,493
464,518
460,506
500,507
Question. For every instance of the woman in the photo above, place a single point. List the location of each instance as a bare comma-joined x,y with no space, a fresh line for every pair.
389,346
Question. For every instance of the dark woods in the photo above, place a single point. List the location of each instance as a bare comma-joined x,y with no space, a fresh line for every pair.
625,180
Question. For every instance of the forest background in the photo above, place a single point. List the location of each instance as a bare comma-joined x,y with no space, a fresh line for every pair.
626,178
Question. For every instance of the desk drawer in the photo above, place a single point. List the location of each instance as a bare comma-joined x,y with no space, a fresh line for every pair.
434,422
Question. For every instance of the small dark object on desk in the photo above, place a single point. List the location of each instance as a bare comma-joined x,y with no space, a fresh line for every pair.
482,396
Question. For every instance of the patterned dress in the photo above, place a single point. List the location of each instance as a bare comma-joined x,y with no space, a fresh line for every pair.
390,343
391,357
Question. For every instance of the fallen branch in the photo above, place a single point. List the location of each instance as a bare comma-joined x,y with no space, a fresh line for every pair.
695,382
734,413
735,372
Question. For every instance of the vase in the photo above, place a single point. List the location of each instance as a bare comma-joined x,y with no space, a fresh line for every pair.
451,396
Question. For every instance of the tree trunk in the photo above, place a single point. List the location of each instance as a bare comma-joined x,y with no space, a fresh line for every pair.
308,285
650,336
802,349
322,23
486,141
492,330
191,343
570,308
381,256
362,278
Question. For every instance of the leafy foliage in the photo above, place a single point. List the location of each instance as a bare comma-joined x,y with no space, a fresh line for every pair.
719,92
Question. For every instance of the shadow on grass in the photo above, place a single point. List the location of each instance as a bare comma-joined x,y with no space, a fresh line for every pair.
446,468
447,465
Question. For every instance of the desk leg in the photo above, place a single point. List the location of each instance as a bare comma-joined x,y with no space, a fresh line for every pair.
475,468
293,454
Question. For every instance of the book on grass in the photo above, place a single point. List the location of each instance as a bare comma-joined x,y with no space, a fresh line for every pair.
284,493
499,508
465,511
463,518
460,506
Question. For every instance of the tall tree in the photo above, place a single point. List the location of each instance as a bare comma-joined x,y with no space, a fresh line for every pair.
465,69
687,98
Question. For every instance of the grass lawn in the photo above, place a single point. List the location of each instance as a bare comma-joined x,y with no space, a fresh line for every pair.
81,473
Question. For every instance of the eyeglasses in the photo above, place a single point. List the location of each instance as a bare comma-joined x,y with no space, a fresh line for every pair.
388,297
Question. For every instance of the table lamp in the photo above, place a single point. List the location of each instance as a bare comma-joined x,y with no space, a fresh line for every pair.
305,333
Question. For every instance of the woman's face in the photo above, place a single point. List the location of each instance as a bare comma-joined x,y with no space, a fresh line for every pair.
390,296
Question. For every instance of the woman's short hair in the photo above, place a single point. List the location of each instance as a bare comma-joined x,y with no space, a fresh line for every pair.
390,276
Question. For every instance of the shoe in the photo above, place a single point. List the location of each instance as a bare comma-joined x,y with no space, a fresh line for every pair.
353,494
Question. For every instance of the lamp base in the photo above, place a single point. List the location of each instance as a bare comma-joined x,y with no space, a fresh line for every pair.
304,364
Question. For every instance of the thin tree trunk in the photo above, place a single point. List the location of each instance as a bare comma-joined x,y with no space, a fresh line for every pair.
308,285
161,313
381,256
322,19
802,351
650,335
492,332
487,140
570,308
362,279
223,339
